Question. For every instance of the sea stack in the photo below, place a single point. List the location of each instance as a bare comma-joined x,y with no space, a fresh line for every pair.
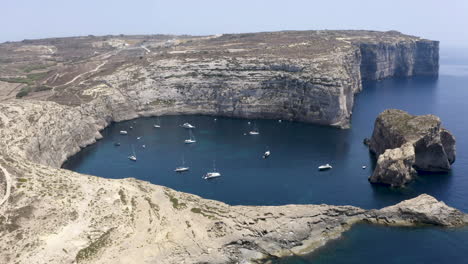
404,144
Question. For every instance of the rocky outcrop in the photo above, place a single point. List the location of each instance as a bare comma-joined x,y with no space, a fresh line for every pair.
395,166
402,141
308,76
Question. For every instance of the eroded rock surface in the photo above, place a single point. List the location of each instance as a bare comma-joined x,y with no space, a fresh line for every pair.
402,142
309,76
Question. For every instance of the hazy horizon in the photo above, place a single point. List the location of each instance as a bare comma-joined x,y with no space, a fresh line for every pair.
29,19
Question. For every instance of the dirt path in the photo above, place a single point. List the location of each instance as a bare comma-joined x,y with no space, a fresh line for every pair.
81,74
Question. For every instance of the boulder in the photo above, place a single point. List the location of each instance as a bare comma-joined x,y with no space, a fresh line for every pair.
395,166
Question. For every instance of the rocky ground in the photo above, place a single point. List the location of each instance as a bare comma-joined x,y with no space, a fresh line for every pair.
72,88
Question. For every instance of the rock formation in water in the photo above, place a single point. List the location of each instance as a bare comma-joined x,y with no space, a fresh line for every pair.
308,76
51,215
403,142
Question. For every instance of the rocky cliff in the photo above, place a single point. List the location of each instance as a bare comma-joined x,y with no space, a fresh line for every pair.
402,142
308,76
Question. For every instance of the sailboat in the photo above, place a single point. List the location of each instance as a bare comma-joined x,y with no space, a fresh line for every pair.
267,154
158,123
132,157
191,139
212,174
182,168
254,131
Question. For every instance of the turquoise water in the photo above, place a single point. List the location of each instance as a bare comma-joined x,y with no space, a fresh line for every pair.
290,175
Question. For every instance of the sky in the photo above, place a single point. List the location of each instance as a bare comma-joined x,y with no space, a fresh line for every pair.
444,20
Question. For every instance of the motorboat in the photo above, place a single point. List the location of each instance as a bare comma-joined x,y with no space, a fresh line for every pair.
267,154
364,167
325,167
123,132
117,144
138,138
188,125
143,146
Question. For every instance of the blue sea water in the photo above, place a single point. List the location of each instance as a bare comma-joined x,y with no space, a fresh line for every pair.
290,175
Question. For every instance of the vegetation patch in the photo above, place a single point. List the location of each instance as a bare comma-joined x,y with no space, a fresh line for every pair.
34,67
93,248
165,102
123,197
202,212
175,202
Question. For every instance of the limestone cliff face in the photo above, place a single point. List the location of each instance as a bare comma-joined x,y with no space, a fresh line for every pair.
308,76
403,59
402,142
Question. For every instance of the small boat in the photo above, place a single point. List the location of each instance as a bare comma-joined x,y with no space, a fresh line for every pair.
143,146
182,168
123,132
254,131
131,127
215,119
132,157
138,138
187,125
158,124
267,154
117,144
248,122
213,174
191,139
364,167
325,167
279,121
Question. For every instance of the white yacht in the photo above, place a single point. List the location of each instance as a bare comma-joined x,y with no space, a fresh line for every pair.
158,124
267,154
123,132
364,167
325,167
182,168
254,131
213,174
191,138
188,125
132,157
